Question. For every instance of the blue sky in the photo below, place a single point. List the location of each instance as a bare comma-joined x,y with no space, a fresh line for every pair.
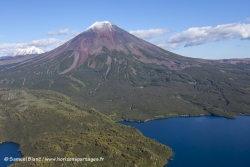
203,29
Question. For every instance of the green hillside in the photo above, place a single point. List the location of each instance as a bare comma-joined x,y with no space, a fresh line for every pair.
48,124
127,89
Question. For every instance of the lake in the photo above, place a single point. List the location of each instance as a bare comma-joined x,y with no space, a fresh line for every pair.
7,150
202,141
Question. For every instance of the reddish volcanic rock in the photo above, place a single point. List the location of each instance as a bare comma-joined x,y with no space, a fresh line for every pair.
91,42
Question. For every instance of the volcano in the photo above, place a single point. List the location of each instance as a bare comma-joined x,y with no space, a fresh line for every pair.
105,35
128,78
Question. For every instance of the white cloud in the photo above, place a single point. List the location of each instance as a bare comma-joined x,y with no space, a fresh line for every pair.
51,33
44,44
248,19
63,32
201,35
165,44
1,36
148,34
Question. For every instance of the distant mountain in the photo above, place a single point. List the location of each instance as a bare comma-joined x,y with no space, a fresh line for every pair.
128,78
30,50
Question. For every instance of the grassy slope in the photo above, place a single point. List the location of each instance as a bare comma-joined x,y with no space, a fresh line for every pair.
157,92
48,124
135,91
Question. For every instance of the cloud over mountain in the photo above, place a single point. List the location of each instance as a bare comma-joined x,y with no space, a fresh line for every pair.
196,35
65,31
148,34
201,35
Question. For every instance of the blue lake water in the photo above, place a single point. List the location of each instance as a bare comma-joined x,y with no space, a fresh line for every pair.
202,141
8,150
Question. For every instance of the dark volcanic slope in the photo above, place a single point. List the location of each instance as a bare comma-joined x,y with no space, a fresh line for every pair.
126,77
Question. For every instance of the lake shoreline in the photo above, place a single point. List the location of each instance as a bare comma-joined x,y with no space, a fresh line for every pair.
194,139
13,143
181,116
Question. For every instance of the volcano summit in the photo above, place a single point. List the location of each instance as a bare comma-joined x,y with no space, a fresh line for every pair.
128,78
103,36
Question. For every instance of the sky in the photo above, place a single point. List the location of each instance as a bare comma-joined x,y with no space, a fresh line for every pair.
214,29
